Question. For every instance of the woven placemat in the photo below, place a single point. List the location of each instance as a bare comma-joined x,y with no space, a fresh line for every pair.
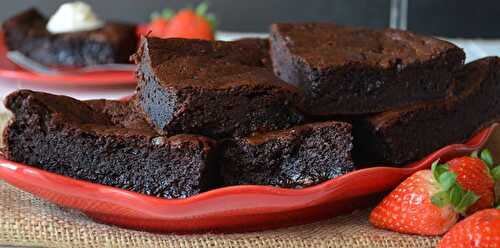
29,221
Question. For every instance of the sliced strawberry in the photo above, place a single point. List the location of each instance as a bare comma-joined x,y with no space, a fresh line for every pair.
408,209
482,229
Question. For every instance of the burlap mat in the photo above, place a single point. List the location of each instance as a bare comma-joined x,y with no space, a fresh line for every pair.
28,221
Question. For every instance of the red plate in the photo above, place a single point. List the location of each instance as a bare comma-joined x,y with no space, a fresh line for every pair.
228,209
9,70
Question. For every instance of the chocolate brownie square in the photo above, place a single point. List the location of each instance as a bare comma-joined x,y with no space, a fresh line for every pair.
214,88
407,134
349,70
104,142
294,158
27,33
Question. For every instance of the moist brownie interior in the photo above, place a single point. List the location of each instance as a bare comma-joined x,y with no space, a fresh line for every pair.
294,158
404,135
27,33
346,70
99,142
219,89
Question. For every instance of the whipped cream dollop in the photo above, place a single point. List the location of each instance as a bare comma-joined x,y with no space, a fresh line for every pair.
74,17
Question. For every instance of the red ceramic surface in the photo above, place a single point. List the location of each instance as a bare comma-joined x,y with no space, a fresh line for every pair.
228,209
9,70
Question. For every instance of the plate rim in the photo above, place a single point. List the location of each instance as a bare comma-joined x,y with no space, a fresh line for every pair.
101,78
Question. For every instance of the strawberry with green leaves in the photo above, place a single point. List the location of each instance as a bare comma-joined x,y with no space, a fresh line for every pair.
430,202
186,23
482,229
409,208
477,174
159,23
191,24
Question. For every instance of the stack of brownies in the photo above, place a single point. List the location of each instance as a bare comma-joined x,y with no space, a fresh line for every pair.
288,111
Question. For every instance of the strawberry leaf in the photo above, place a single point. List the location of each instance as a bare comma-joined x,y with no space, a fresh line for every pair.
440,199
201,9
447,180
434,167
486,157
455,195
474,154
438,169
495,173
212,20
167,13
468,199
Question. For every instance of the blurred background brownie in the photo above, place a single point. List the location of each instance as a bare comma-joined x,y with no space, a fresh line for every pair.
27,33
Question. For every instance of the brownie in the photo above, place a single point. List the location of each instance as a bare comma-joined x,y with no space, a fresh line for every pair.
99,142
27,33
350,70
214,88
293,158
407,134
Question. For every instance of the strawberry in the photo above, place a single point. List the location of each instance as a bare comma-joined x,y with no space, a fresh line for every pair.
409,209
191,24
473,174
159,23
482,229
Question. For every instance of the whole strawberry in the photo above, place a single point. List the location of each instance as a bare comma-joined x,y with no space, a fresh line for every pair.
429,202
481,229
409,208
473,173
191,24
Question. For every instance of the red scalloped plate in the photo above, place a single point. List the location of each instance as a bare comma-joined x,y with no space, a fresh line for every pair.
228,209
9,70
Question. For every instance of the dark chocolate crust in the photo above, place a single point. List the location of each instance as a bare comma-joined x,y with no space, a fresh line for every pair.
405,135
294,158
219,89
27,33
99,142
345,70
